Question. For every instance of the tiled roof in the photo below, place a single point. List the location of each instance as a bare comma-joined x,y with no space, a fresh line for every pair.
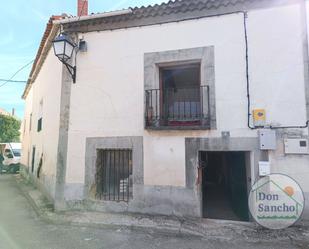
182,6
171,11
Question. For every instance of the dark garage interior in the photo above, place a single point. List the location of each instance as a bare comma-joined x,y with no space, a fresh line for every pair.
224,185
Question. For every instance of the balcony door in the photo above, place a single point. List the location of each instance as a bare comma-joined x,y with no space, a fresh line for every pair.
180,95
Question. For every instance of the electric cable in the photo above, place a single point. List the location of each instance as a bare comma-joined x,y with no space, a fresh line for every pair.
14,81
19,70
248,89
247,72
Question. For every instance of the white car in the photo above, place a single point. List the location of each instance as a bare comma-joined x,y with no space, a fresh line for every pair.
10,154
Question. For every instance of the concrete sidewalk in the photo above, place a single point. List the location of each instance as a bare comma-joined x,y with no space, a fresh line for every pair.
221,230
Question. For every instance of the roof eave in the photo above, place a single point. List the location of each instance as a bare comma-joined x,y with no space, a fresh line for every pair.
94,16
45,46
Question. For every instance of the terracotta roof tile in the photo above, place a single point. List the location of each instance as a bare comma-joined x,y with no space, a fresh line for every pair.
172,11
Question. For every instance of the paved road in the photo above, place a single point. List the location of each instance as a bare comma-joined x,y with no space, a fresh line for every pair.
20,228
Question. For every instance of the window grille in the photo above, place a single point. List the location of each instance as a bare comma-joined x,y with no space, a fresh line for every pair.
114,178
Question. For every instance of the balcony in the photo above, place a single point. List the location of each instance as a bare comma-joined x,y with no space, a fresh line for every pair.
181,108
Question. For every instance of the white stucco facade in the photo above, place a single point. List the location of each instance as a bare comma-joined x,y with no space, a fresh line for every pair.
108,97
43,101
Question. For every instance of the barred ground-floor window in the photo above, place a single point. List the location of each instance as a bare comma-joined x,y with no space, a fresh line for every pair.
114,175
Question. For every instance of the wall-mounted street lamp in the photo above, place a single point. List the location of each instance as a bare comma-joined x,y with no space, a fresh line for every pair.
63,49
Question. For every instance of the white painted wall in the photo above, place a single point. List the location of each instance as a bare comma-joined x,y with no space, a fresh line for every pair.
108,98
45,92
277,79
276,64
25,131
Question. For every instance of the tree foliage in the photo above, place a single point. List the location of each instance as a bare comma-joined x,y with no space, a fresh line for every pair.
9,129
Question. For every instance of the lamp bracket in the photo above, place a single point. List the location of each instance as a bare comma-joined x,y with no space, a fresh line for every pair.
72,70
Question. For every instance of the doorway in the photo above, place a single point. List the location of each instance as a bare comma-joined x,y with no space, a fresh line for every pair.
224,185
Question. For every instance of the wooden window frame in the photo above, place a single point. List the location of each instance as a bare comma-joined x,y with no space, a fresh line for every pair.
180,65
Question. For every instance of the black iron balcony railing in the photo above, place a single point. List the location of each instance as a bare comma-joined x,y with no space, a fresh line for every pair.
177,108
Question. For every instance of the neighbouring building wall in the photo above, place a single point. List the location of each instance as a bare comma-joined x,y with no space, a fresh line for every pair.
26,131
108,98
4,112
43,102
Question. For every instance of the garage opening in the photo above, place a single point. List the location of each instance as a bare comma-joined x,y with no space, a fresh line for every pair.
224,185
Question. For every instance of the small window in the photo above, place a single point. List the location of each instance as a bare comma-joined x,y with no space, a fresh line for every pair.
39,124
40,115
114,178
30,122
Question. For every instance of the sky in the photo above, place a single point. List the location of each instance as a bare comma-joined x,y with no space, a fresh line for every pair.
22,25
